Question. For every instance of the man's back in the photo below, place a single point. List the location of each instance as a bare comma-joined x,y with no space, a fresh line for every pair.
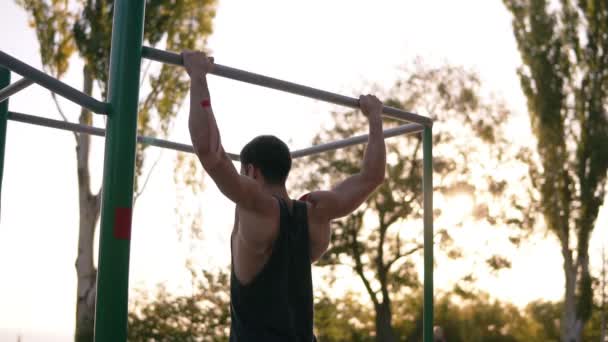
270,255
277,303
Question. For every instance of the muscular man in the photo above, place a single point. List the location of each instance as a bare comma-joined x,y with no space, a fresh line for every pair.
275,238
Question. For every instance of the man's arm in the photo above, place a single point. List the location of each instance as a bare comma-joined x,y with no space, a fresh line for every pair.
207,143
348,195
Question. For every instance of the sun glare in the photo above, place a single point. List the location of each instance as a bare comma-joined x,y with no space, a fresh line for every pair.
456,208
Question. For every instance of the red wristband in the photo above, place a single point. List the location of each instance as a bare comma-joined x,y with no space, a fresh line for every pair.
205,103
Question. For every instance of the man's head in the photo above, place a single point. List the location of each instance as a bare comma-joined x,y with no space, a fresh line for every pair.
267,156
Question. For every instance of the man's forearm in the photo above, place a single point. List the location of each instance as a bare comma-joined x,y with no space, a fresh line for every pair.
374,161
203,128
202,88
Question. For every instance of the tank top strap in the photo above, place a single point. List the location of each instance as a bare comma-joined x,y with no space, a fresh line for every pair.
285,215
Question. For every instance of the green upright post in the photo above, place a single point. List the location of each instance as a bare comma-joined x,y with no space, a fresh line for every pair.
5,80
427,188
119,164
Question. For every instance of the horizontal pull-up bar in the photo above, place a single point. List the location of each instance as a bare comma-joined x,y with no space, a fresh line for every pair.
86,129
14,88
269,82
53,84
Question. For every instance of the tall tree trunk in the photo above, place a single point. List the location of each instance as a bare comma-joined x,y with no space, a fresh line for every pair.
89,205
603,305
571,326
384,324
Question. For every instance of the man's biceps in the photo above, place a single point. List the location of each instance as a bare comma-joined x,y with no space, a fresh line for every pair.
333,207
325,199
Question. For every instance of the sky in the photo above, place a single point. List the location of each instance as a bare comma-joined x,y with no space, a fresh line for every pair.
341,46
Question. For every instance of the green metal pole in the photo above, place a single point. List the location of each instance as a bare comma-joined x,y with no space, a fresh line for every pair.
119,164
427,188
5,80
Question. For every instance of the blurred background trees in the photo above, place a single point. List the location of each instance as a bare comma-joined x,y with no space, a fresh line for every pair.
564,50
66,28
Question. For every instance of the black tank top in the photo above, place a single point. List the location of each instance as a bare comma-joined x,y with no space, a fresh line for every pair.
277,306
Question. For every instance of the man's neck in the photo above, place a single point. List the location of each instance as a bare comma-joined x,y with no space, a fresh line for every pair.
277,190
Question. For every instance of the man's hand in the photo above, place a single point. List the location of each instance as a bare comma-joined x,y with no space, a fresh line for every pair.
197,63
370,106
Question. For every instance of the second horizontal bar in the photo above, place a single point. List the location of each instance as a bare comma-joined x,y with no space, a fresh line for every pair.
86,129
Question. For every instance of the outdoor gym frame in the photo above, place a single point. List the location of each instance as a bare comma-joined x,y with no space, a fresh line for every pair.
121,127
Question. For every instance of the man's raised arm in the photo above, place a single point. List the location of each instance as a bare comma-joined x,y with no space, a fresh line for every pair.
204,132
207,143
347,196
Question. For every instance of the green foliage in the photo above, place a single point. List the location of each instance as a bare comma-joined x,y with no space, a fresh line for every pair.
202,316
382,238
343,319
482,319
546,316
564,49
64,27
52,21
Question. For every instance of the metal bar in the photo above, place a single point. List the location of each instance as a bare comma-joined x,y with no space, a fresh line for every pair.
5,80
118,174
64,125
14,88
388,133
53,84
294,88
427,188
152,141
74,127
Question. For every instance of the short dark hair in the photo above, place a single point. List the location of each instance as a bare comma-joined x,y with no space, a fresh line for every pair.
269,154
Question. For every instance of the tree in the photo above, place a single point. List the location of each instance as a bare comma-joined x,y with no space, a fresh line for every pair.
65,27
602,306
476,317
345,318
603,300
564,50
546,315
379,240
202,316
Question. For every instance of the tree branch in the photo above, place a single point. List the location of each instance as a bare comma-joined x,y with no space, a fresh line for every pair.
409,252
382,269
144,74
143,187
399,256
359,268
402,212
63,116
407,204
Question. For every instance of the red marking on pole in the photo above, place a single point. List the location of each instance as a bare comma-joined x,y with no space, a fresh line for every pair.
122,223
206,103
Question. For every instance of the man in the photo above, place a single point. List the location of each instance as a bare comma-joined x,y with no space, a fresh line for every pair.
275,239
